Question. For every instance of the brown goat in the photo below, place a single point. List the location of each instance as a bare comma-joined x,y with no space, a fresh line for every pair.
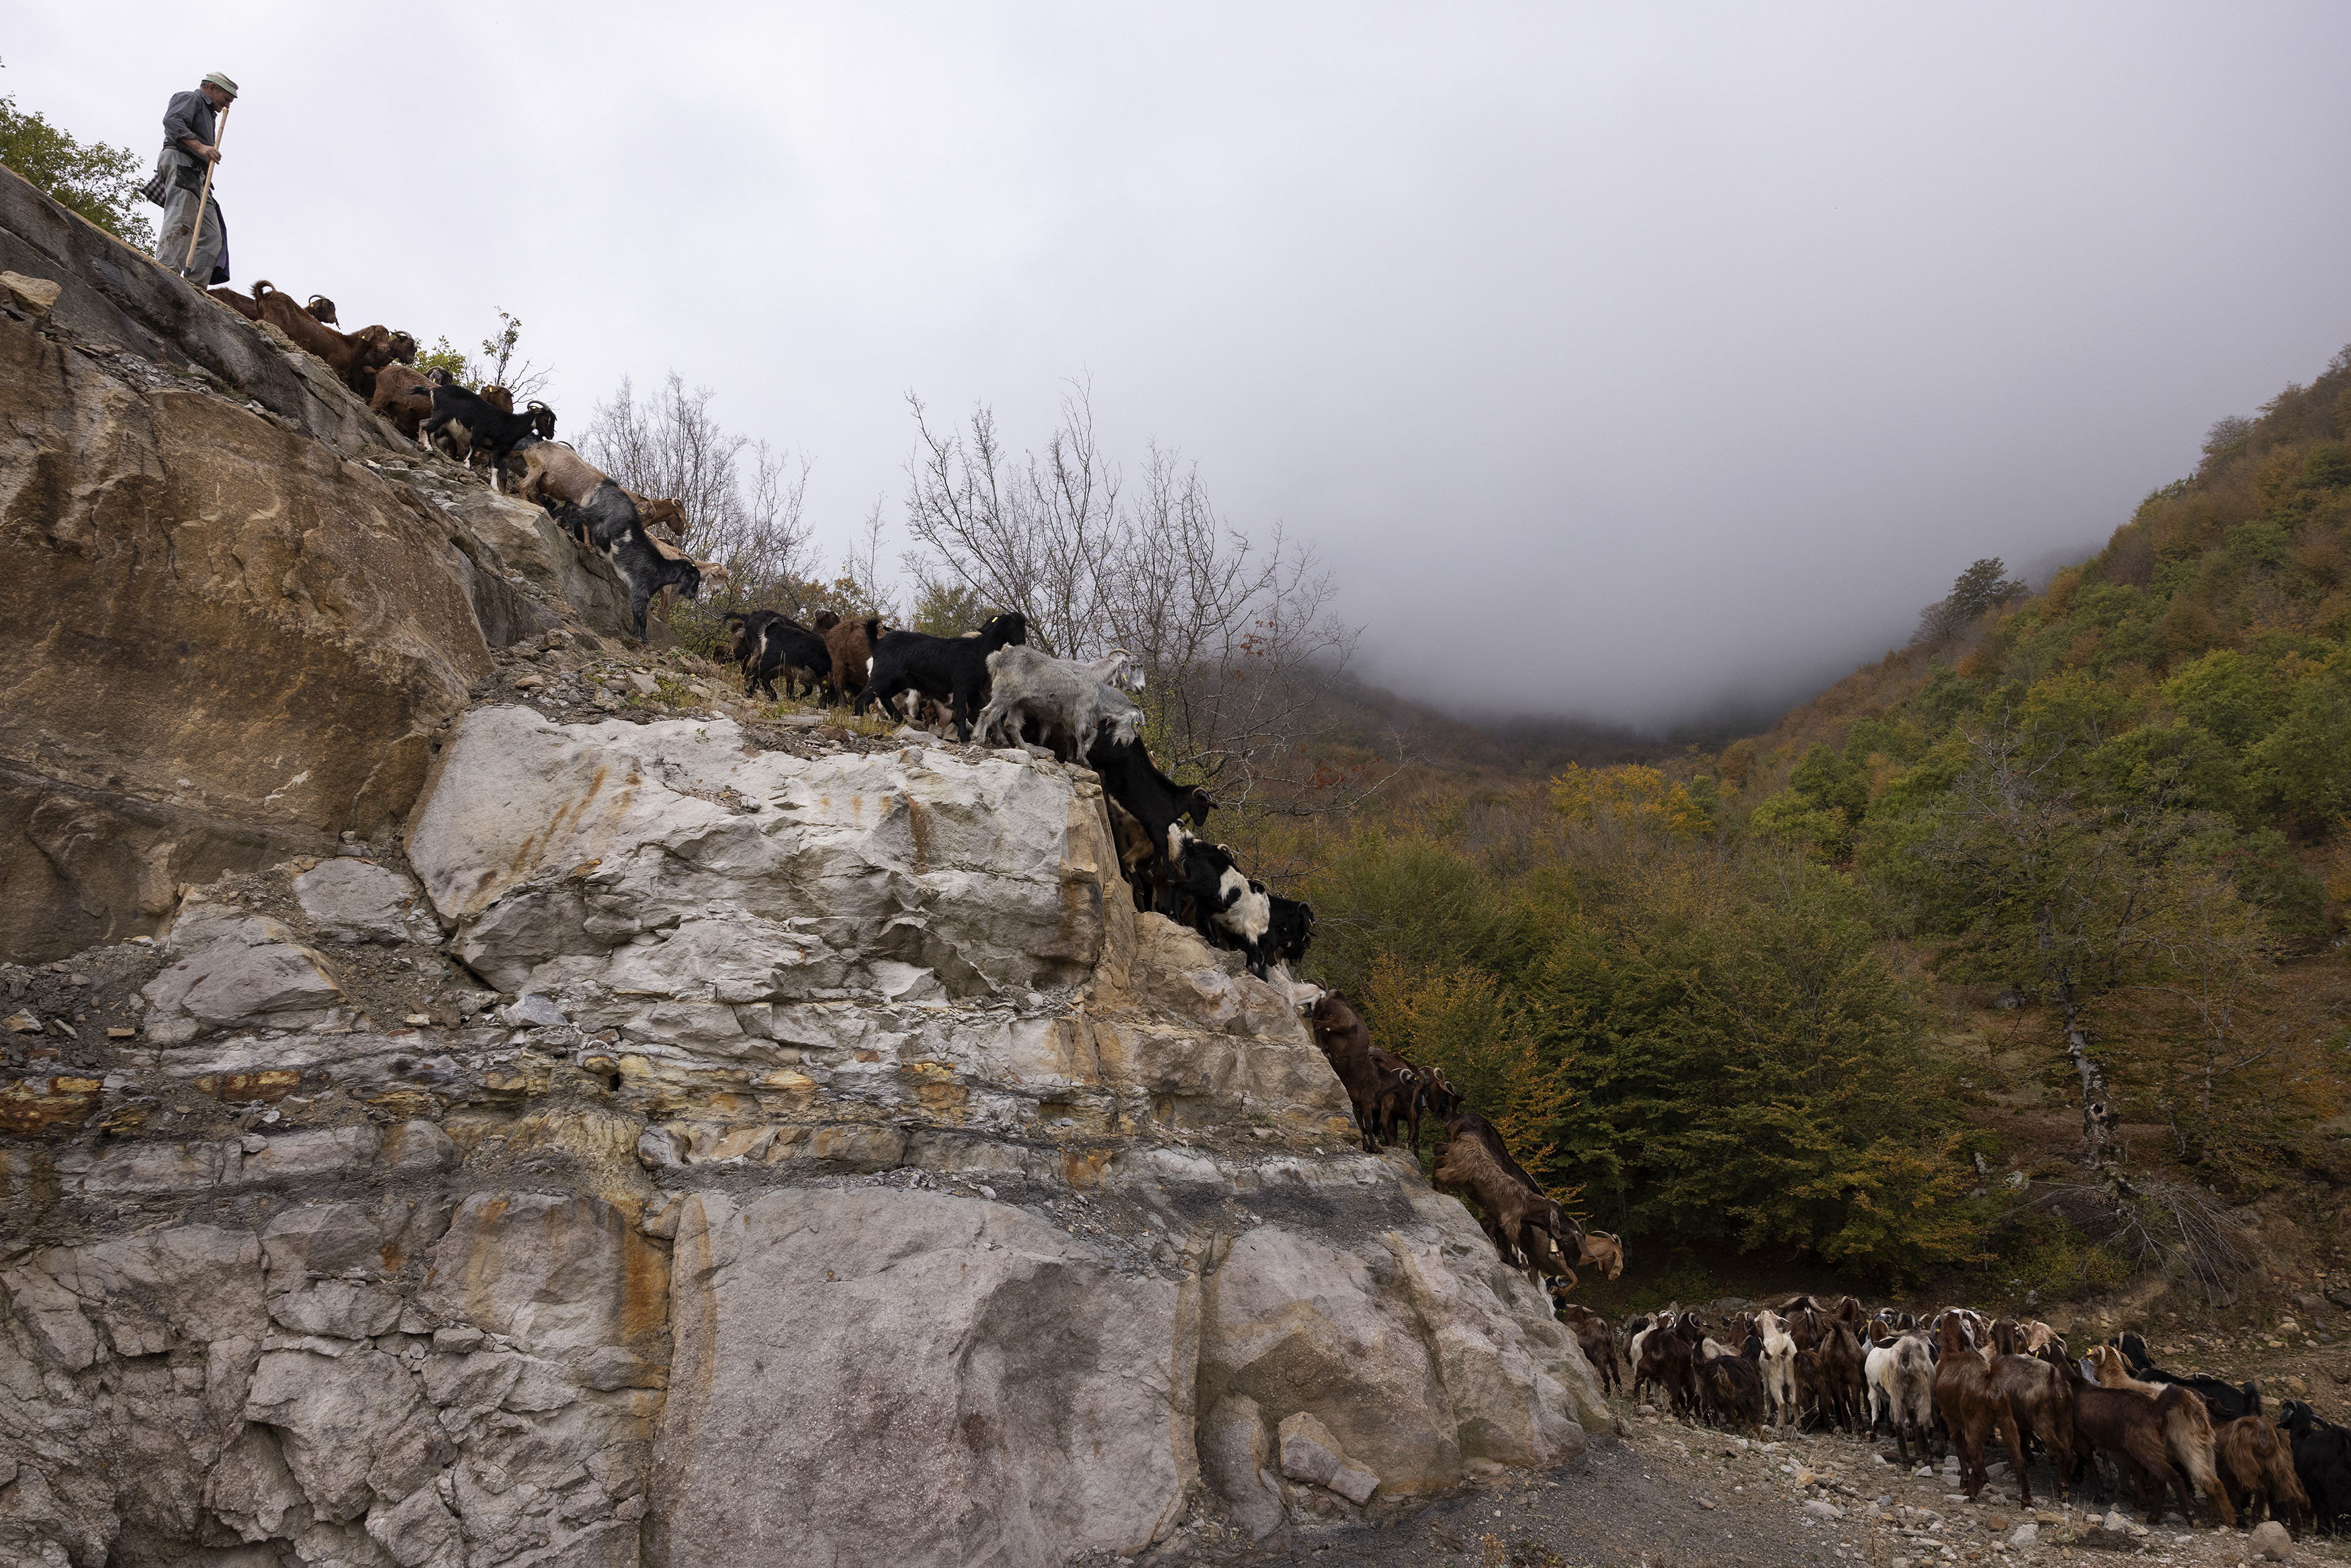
1731,1388
244,305
2041,1401
1510,1204
850,645
1598,1340
2256,1464
1664,1354
1548,1236
1604,1251
554,469
2119,1422
404,395
1842,1390
669,514
498,398
1345,1041
2187,1426
1974,1406
355,357
1395,1097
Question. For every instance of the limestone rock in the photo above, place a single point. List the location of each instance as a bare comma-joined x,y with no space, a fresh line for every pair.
277,682
1237,1464
338,1419
633,878
559,1276
252,1490
1309,1452
351,900
531,1011
113,297
950,1435
1354,1483
36,296
2270,1543
231,969
504,539
419,1532
336,1308
1410,1369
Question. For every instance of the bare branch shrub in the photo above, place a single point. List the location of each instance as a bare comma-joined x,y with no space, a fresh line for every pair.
2154,1224
1237,640
742,498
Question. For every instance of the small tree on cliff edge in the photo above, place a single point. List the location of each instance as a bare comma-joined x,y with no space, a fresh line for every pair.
99,181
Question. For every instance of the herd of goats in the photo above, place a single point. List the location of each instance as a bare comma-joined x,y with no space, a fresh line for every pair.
1951,1381
988,679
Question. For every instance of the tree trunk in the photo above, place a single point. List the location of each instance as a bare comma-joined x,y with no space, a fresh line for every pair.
2097,1106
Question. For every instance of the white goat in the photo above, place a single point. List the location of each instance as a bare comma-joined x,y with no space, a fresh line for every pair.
1778,1367
1911,1382
1068,702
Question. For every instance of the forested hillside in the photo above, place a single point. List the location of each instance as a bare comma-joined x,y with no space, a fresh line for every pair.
2019,952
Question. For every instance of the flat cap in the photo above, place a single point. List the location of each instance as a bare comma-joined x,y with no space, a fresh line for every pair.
218,79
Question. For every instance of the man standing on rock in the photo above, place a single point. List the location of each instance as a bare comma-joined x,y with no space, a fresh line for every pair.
191,142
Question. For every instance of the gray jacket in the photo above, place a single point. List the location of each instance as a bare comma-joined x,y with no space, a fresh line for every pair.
189,115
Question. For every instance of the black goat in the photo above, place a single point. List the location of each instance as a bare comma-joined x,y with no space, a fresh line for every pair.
2226,1403
788,648
1292,930
463,426
1150,797
951,669
2322,1462
744,631
607,523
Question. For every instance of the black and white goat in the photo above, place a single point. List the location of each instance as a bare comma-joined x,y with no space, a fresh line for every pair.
952,669
1226,904
1292,931
1069,703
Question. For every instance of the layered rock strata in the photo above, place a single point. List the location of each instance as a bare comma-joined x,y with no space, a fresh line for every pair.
841,1165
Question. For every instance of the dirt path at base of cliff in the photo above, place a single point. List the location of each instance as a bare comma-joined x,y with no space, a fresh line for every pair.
1678,1495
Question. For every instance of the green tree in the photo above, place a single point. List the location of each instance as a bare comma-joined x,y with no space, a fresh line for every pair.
2303,767
98,182
442,356
1748,1065
947,609
1982,589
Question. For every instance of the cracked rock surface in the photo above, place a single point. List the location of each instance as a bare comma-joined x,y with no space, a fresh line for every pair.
792,1179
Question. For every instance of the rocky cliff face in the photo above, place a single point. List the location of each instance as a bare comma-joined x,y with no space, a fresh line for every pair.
238,607
542,1135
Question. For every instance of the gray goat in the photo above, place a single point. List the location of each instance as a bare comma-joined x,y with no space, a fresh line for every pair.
1067,701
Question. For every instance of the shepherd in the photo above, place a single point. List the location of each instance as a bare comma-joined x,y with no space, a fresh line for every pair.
194,241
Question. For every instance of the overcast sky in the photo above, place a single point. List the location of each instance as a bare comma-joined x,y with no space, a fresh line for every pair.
1674,354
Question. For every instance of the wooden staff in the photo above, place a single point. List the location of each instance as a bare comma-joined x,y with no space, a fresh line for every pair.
205,196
